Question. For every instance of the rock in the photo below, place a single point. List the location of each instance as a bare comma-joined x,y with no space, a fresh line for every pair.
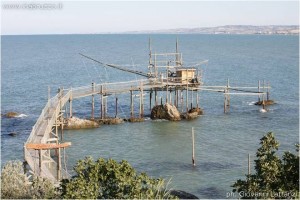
167,111
198,110
76,123
13,134
182,194
267,102
190,116
109,121
11,114
132,119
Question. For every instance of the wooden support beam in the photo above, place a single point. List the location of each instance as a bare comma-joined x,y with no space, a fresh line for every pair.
155,93
93,101
116,107
131,104
258,90
59,165
187,96
150,99
38,146
102,102
197,99
193,147
40,161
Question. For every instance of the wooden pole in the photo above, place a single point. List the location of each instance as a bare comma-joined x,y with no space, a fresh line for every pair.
58,165
116,107
142,99
181,100
192,91
187,97
155,93
197,99
249,165
131,104
167,87
150,99
193,147
176,98
93,101
70,104
268,91
40,161
102,102
258,90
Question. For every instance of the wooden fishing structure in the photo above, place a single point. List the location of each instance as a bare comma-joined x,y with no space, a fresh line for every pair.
44,149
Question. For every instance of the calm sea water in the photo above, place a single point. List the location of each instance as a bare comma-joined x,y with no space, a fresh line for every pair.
163,149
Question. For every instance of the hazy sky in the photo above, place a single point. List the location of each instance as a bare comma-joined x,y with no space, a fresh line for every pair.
114,16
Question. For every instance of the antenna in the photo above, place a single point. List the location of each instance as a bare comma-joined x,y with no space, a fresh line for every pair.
150,53
177,54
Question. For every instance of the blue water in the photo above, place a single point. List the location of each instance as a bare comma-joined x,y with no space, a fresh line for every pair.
163,149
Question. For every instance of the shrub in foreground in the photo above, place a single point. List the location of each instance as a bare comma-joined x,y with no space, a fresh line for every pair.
109,179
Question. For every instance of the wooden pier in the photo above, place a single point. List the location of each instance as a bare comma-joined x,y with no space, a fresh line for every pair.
44,149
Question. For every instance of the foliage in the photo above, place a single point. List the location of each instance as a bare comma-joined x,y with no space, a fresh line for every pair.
16,185
109,179
274,177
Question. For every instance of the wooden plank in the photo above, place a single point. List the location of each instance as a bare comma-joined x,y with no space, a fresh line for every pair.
47,146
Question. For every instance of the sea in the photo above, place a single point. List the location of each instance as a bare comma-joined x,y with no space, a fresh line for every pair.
163,149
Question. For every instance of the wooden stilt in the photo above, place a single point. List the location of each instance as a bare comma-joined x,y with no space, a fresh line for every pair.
150,100
268,91
131,104
192,91
176,97
93,101
197,99
40,161
249,167
155,93
258,90
59,165
187,97
102,102
142,99
181,100
116,107
193,147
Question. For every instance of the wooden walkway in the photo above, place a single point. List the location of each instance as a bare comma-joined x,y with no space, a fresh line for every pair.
47,163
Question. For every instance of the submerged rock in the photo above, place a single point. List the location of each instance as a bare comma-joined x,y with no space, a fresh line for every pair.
167,111
267,102
13,134
11,114
76,123
192,114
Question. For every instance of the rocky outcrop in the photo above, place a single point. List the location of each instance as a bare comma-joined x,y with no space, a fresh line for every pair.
182,194
199,111
11,114
167,111
266,102
76,123
192,114
109,121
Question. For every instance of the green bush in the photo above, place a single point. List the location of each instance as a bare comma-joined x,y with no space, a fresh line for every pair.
111,180
274,177
16,185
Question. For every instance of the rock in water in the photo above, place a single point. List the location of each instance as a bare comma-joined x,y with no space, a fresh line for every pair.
167,111
76,123
182,194
199,111
13,134
11,114
267,102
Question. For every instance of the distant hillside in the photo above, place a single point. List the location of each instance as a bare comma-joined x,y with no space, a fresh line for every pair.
230,29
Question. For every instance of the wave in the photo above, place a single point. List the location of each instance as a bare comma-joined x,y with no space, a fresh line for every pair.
251,103
21,116
263,110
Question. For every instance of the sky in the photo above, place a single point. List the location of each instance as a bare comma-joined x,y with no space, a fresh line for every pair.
67,17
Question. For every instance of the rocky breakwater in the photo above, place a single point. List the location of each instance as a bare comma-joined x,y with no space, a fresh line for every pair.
166,111
76,123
